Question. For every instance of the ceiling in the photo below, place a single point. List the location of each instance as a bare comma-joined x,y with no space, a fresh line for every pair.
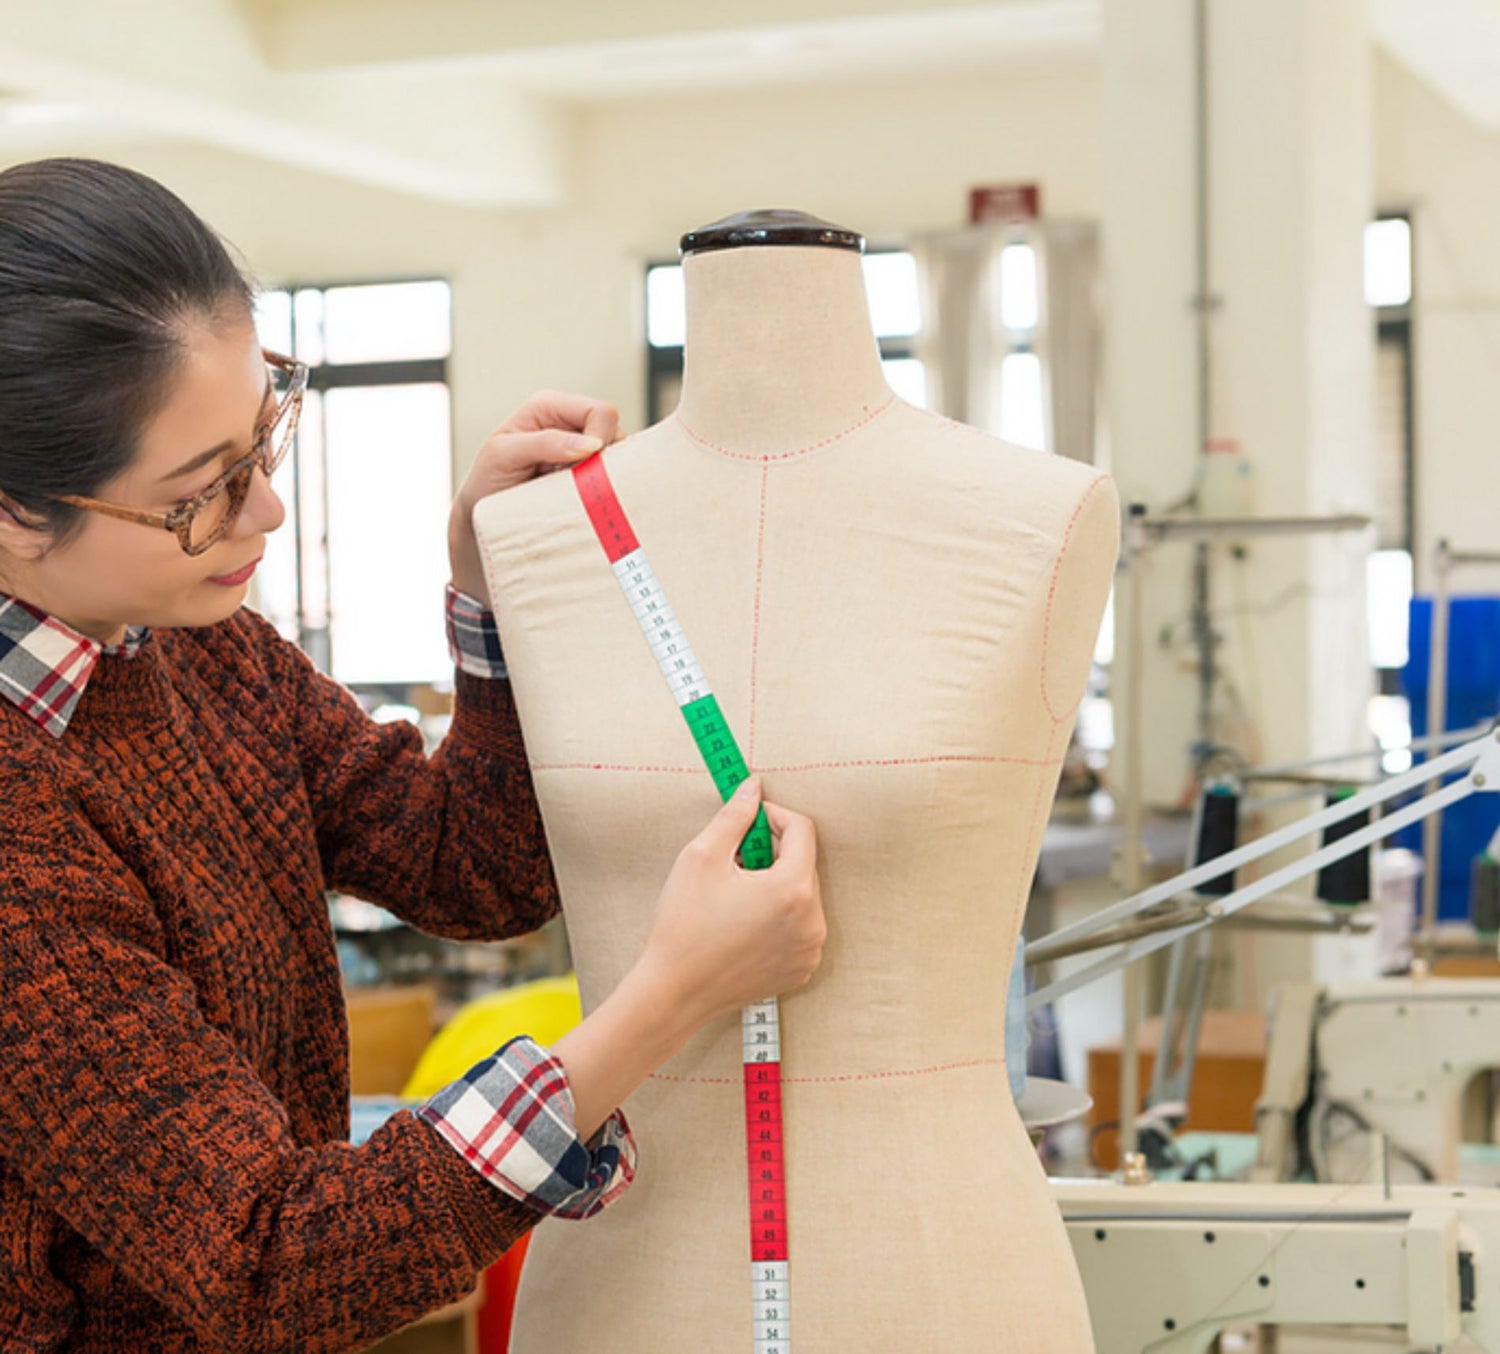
329,85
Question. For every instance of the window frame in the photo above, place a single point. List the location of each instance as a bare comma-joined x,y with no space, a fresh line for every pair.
317,641
1394,330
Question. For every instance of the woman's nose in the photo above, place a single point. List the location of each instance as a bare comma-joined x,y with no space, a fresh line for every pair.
263,510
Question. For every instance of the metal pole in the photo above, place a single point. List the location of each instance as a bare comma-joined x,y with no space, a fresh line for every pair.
1131,871
1437,715
1203,633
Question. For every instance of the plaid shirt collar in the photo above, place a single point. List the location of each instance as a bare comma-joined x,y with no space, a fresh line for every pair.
46,664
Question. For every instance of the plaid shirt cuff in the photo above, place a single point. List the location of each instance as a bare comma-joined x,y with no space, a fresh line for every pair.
511,1118
473,637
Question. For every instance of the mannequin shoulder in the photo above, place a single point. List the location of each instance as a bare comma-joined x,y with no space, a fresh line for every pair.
1056,496
546,499
528,515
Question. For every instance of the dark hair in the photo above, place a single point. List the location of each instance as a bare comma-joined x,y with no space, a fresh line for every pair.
101,272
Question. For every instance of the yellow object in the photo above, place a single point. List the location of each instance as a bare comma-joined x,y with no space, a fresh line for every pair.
544,1009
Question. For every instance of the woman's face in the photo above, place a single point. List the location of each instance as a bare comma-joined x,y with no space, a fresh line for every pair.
113,573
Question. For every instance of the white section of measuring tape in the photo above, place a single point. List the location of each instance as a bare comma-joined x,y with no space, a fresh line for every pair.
773,1317
760,1028
673,654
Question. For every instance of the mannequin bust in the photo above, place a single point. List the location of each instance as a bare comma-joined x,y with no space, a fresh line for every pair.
897,614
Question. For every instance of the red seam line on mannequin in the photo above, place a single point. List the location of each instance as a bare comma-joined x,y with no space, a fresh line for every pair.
1033,839
760,559
909,761
1052,597
615,766
853,1076
805,766
786,455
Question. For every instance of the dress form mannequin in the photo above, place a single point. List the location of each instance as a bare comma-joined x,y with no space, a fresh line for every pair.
897,614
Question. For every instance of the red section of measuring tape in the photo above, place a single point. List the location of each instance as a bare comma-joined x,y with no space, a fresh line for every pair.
767,1170
610,523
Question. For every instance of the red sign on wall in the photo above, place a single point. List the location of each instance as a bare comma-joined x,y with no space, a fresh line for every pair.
1005,202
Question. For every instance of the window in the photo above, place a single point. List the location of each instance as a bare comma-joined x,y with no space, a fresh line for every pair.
357,574
895,315
1016,308
1389,291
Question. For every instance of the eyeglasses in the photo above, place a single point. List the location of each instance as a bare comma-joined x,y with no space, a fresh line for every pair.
207,517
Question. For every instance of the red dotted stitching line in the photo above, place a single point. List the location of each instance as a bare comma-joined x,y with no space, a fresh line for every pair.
911,761
1052,595
786,455
856,1076
615,766
806,766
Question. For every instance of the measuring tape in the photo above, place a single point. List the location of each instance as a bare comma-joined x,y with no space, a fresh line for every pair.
760,1023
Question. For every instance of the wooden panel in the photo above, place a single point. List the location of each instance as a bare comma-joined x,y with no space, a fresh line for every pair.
1226,1081
388,1029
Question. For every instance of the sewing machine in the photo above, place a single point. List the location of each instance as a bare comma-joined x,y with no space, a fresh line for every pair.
1168,1266
1391,1057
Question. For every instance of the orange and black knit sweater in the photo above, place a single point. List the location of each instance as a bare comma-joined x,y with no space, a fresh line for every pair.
174,1174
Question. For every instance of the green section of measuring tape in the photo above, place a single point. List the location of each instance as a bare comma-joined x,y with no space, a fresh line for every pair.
722,756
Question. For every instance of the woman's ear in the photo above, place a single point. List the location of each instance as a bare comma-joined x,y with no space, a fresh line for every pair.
21,535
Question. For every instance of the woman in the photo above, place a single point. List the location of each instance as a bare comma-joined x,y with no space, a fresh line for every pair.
178,787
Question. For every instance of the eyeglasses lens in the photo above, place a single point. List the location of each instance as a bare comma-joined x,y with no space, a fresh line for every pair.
216,516
279,436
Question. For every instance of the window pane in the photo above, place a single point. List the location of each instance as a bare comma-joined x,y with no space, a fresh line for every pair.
274,592
1390,722
908,378
390,484
308,307
666,310
1388,262
273,321
391,322
1019,303
1021,419
891,283
1388,584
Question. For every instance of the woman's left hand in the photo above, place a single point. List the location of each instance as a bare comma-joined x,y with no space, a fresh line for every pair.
553,429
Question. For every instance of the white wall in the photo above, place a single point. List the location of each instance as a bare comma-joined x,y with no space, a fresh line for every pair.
1448,171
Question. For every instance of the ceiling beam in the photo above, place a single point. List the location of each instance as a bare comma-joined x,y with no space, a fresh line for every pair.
1454,45
194,72
308,34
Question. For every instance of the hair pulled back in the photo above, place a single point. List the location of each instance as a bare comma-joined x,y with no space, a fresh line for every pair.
102,271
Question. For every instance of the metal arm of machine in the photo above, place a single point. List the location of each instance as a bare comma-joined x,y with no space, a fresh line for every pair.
1479,757
1168,1266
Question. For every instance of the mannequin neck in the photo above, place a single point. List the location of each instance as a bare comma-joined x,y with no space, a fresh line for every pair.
779,352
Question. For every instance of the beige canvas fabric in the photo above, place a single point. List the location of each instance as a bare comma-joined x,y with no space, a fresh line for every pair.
897,615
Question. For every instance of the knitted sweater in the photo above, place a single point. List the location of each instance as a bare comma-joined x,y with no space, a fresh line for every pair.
174,1171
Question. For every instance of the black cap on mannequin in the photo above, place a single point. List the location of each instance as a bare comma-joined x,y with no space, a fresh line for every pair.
769,226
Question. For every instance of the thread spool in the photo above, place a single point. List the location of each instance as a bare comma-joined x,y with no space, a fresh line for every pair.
1216,832
1484,895
1347,880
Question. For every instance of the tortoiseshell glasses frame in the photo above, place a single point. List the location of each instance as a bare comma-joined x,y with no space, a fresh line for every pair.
272,441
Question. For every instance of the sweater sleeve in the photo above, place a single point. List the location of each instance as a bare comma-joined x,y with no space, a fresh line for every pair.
142,1128
454,843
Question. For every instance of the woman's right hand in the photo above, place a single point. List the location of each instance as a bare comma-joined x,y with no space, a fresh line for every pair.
725,937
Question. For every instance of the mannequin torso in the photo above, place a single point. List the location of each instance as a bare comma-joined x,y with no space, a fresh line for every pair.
897,614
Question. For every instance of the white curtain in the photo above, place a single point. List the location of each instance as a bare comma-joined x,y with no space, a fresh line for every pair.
963,344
